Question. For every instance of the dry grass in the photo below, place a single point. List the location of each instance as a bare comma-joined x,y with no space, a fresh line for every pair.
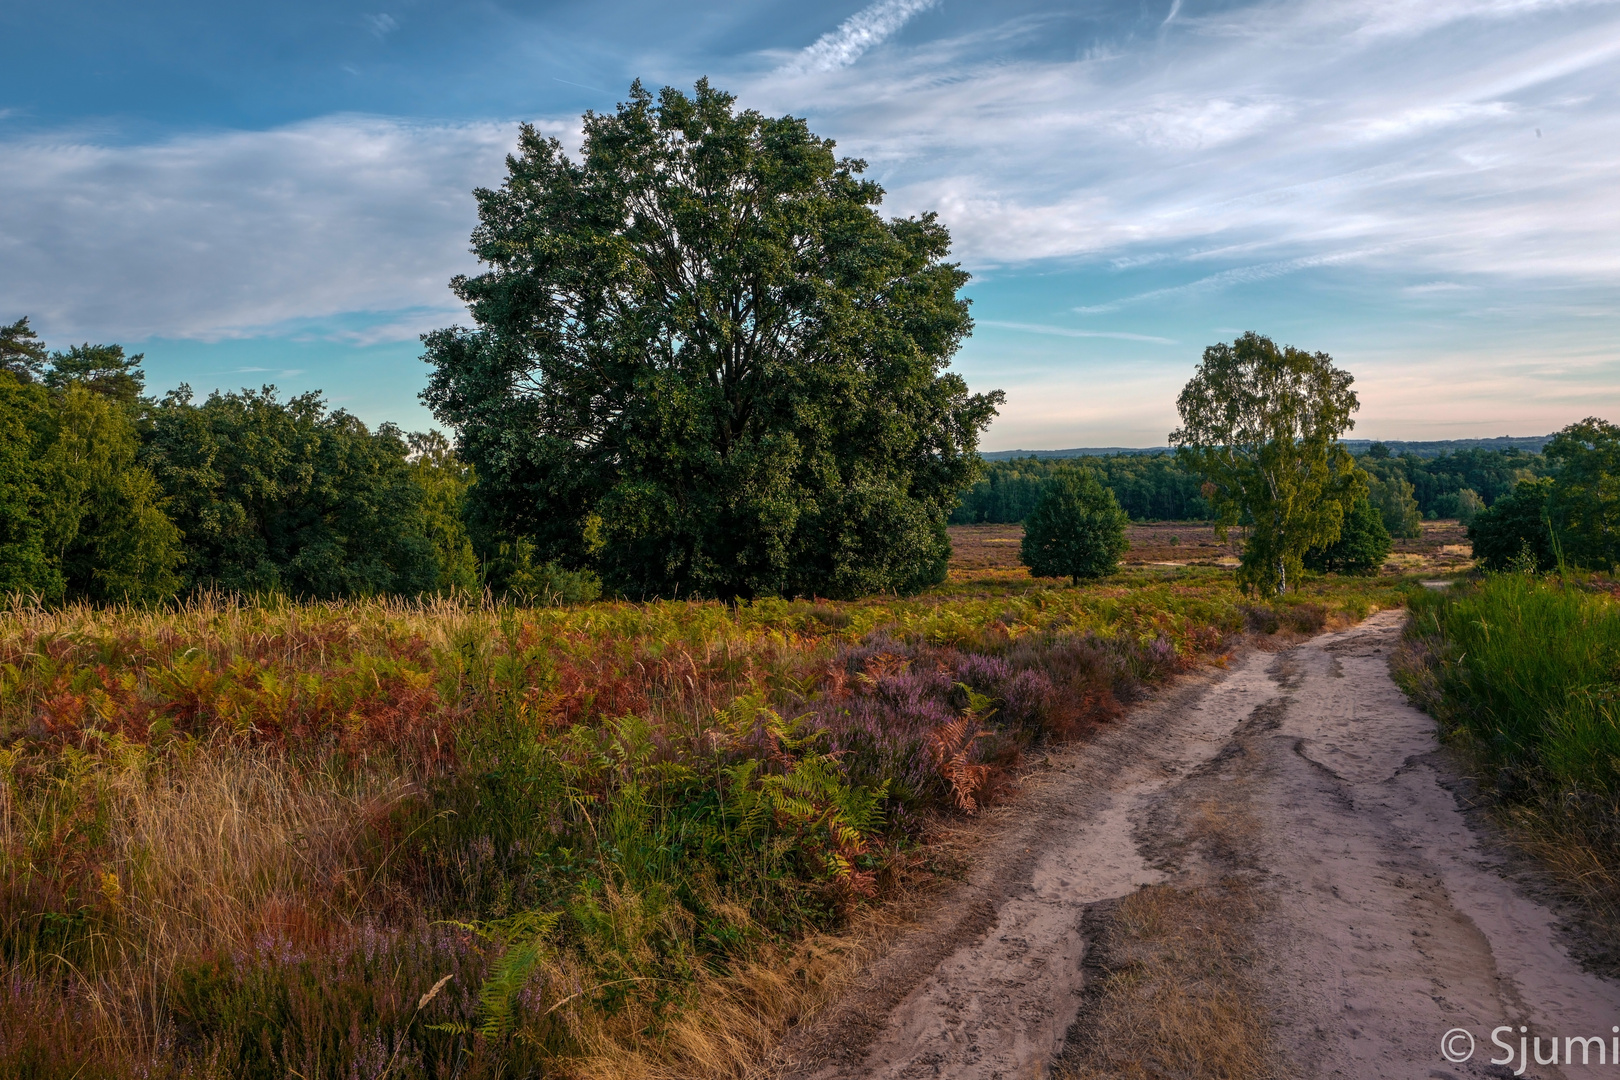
230,833
206,850
1176,998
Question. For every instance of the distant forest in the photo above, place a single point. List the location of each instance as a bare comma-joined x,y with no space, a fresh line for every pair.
1155,487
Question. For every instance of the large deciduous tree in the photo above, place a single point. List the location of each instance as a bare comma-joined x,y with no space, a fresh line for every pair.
1261,424
704,364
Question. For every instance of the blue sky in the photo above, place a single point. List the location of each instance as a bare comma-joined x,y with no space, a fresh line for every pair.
1428,191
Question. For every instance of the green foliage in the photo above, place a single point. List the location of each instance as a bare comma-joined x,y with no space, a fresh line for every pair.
1076,531
1585,500
511,571
101,369
22,354
445,481
704,365
1463,504
287,497
105,527
1438,482
1361,548
1515,529
1261,425
1147,487
1522,668
1396,505
80,517
24,566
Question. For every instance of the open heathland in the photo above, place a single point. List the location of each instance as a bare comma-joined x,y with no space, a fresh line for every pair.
1441,547
454,839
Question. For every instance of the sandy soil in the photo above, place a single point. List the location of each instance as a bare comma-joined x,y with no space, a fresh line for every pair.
1389,917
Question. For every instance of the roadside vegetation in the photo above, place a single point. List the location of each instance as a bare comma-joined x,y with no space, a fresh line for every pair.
1520,671
452,839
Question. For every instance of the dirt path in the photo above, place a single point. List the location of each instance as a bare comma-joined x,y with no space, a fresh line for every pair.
1387,920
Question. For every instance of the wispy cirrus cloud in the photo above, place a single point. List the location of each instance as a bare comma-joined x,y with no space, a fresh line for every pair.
1240,275
1071,332
855,35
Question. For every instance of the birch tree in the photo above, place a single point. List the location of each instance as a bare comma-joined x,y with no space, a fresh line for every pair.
1261,425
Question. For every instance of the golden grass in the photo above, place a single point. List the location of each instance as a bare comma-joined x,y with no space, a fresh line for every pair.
202,850
1177,999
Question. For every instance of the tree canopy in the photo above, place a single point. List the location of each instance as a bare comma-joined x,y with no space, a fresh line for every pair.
704,364
1361,548
1585,503
1514,531
289,497
1261,424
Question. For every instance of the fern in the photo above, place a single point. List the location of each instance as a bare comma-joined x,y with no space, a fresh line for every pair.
522,938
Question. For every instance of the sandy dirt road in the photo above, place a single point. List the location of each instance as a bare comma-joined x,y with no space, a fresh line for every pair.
1389,919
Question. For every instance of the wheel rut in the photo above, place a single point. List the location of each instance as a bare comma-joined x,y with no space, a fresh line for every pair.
1305,779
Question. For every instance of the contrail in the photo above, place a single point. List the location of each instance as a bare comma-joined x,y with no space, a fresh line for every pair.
862,30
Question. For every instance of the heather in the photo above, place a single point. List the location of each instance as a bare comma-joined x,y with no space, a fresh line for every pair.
444,838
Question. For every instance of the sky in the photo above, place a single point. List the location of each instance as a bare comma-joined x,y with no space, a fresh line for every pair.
1428,191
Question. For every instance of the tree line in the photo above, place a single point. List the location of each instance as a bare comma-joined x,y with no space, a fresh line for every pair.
702,364
1406,489
109,494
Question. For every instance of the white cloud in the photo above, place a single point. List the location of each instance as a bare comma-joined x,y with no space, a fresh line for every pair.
221,235
382,24
1065,331
1257,134
855,35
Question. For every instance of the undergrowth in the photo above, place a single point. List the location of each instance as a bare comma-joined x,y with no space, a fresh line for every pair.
1523,674
381,839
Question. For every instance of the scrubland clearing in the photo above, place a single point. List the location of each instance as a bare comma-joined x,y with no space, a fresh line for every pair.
443,838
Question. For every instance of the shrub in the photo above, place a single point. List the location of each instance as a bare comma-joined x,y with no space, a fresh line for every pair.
1361,548
1076,531
1514,530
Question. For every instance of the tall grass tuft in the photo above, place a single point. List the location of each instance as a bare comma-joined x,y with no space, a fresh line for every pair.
1525,670
1523,673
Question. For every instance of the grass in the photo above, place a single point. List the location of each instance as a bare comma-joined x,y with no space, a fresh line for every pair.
1523,673
1176,996
451,839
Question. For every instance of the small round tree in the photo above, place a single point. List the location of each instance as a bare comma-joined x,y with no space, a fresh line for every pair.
1076,531
1361,548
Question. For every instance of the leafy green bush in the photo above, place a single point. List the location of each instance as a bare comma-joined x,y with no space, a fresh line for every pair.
1076,531
1361,548
1514,529
512,572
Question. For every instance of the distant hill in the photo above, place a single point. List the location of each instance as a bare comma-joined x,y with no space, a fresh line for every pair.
1529,443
